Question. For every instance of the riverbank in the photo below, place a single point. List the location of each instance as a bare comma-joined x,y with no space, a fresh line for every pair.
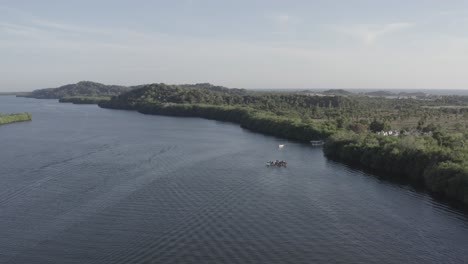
13,118
83,99
254,120
441,168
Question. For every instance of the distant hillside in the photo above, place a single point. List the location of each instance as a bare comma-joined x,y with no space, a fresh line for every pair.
337,92
83,88
380,93
217,95
87,89
178,94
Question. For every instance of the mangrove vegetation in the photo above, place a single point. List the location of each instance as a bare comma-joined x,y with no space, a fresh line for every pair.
439,162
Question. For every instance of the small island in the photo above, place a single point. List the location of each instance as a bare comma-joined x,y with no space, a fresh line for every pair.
13,118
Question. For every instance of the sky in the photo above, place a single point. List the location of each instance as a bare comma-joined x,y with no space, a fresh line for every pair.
244,43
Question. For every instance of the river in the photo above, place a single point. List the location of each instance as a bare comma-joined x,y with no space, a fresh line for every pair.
80,184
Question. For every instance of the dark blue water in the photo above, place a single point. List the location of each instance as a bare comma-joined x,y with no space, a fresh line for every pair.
80,184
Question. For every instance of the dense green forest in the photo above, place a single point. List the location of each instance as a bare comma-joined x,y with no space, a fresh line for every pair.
415,137
281,104
83,89
13,118
440,161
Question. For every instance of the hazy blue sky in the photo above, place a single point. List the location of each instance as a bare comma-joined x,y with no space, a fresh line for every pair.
249,44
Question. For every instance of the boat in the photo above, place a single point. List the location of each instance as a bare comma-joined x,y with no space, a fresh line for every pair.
277,163
280,146
317,142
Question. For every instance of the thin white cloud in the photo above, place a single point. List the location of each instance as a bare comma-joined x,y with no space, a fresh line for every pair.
450,13
61,26
53,32
18,30
369,34
282,22
282,19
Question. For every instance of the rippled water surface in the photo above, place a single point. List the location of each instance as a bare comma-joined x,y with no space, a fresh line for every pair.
80,184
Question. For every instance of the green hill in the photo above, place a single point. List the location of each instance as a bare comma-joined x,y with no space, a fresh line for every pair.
83,89
337,92
380,93
216,95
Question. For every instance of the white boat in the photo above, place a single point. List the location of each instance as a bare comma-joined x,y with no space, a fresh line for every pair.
280,146
317,142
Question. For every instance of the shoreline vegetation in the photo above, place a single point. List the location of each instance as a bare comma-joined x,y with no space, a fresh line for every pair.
257,121
268,113
83,99
14,118
413,137
438,162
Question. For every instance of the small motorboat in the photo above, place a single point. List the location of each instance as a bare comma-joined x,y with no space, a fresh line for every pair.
317,142
277,163
280,146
